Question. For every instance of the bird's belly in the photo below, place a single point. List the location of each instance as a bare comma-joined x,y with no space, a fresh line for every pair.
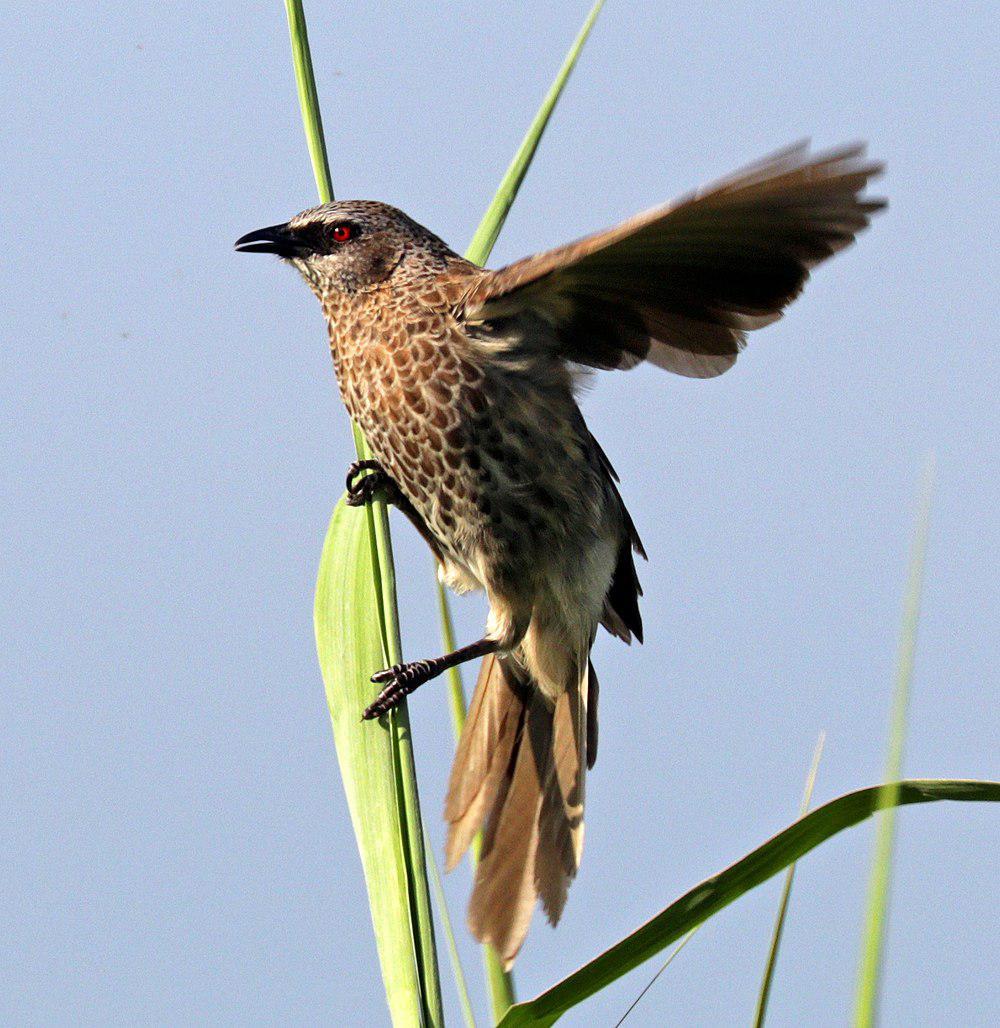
504,500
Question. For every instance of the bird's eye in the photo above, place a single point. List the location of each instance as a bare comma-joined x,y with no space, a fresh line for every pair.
341,233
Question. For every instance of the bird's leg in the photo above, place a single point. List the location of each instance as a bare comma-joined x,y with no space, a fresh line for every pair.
362,490
401,679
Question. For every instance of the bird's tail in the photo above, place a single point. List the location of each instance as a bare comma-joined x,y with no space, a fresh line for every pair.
519,772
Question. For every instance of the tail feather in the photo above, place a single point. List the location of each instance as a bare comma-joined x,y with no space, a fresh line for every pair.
520,767
561,832
492,727
505,890
593,688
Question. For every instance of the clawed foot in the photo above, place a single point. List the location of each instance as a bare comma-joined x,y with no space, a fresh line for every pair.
362,490
398,681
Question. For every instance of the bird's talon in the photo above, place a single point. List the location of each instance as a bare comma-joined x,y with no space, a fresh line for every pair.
397,682
362,490
388,673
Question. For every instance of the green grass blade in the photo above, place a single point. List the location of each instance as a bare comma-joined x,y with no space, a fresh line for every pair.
373,765
717,892
786,893
357,631
449,934
873,943
500,982
305,83
456,690
496,214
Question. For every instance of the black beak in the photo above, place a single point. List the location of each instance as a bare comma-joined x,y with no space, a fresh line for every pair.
279,239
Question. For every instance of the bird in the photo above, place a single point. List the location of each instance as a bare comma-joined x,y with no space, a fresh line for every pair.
465,382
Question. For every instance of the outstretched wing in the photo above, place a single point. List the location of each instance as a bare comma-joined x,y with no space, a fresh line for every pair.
681,285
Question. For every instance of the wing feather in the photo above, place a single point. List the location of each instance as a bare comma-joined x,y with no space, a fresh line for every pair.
681,285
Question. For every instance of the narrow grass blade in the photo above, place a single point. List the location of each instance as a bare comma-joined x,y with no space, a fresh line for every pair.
786,893
456,690
305,83
652,981
449,934
500,982
717,892
873,943
496,214
357,631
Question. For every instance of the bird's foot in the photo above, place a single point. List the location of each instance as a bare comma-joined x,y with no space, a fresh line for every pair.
398,682
362,490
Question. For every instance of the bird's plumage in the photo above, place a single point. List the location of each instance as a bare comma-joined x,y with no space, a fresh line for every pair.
462,380
520,770
681,285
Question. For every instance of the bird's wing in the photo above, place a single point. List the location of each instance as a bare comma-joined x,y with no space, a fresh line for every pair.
681,285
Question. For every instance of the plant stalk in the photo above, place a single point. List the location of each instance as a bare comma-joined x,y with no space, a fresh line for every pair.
877,911
426,1007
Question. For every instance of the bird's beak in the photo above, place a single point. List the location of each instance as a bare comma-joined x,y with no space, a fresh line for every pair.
279,239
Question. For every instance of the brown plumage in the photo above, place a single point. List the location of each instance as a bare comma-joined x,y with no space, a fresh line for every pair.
462,380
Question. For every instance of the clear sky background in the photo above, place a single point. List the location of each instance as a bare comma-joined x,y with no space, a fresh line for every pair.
175,842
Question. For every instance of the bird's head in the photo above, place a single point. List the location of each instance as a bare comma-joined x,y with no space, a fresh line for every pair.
347,246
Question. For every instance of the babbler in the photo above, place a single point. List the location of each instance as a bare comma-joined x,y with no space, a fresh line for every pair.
462,380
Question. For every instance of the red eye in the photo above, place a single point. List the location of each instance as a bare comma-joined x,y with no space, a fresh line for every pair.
341,233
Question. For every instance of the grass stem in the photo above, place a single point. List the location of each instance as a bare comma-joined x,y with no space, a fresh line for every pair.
877,911
786,894
400,940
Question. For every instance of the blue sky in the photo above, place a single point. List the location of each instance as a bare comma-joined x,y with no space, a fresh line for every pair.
176,843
